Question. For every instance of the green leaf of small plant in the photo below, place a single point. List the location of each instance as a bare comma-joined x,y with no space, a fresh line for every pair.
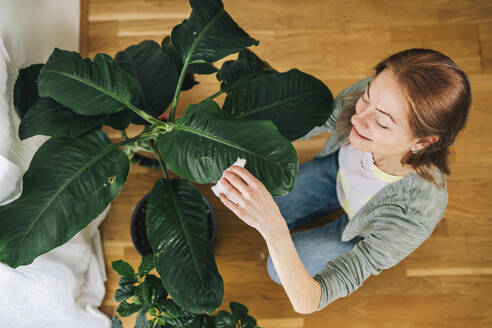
248,322
170,308
152,324
143,292
124,293
238,310
158,290
116,322
126,309
146,265
224,320
123,269
141,321
124,281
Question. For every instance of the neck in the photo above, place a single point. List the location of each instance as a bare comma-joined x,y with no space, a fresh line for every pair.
392,165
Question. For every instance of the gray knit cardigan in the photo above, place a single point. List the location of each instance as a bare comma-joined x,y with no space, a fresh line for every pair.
394,222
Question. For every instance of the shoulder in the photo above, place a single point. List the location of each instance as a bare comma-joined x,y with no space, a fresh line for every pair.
419,199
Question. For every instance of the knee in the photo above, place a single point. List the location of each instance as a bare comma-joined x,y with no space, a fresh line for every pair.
271,271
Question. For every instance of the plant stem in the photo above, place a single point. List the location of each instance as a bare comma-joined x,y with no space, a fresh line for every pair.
144,115
142,136
178,88
124,136
157,154
218,93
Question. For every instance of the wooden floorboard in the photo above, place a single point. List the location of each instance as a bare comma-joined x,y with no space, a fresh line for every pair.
447,281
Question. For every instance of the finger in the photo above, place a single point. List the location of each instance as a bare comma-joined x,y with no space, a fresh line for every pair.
244,174
230,204
231,189
236,181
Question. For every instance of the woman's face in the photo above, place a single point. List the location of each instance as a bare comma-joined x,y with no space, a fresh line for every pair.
380,124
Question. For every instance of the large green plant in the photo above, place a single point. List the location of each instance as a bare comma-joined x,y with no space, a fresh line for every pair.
78,172
142,292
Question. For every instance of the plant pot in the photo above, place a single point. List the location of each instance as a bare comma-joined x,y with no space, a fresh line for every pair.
138,230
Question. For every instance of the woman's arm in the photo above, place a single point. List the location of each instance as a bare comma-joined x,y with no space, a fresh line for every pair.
303,291
257,208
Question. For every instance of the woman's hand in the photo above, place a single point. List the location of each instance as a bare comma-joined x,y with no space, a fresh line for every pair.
255,206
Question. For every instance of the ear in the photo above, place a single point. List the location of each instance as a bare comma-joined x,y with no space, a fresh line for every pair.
426,141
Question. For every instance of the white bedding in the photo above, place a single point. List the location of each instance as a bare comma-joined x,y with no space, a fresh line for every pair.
64,287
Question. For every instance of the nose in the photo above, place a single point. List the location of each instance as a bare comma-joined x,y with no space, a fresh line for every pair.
361,119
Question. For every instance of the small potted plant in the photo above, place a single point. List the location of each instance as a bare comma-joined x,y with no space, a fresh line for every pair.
143,293
75,174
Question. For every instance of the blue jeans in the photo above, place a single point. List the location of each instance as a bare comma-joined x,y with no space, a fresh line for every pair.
314,193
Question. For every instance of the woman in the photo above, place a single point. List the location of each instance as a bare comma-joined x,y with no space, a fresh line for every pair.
384,164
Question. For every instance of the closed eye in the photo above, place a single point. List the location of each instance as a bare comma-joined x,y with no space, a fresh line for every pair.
384,127
362,97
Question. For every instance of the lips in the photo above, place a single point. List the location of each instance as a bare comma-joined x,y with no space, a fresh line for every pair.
356,132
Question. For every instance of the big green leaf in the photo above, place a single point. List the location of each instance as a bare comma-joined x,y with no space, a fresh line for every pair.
87,87
45,116
26,88
156,73
68,184
245,68
199,68
294,101
202,68
209,34
177,229
205,141
50,118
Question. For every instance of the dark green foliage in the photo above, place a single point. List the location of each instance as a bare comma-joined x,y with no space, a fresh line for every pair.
75,175
151,298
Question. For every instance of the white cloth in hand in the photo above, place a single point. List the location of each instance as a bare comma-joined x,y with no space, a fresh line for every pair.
219,188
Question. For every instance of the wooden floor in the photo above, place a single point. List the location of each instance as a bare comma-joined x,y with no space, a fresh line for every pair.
447,281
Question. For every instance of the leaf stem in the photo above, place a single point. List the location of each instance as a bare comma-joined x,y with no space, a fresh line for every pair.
144,115
178,88
218,93
149,133
124,136
158,155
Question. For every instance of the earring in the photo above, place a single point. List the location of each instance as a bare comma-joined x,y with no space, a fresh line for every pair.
414,151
